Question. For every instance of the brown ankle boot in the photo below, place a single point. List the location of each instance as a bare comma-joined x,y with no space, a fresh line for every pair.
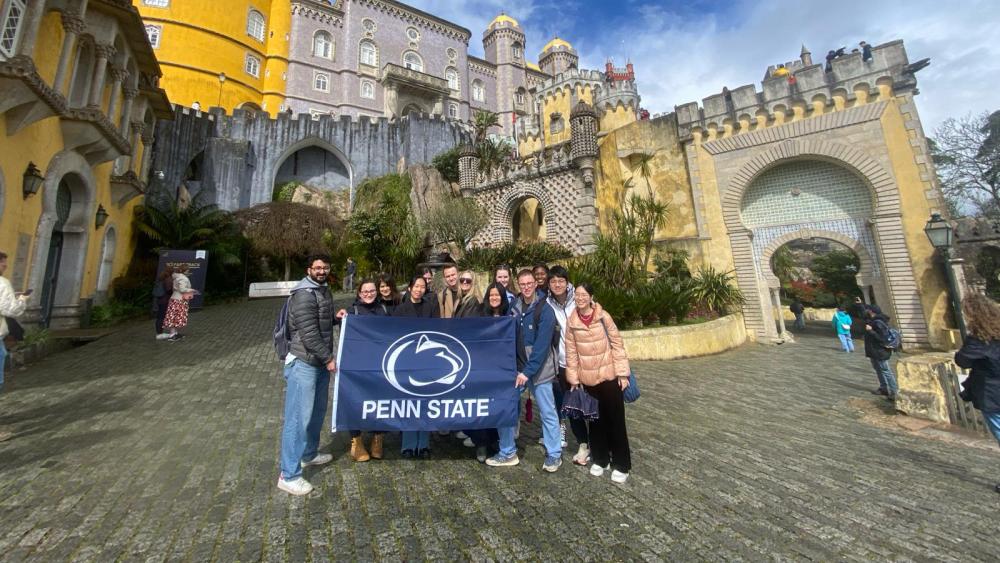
376,450
358,451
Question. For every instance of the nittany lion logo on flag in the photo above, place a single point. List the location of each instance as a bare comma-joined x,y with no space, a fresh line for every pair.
443,360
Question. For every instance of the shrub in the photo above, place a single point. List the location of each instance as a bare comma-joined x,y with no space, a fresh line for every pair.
115,311
516,255
716,291
447,164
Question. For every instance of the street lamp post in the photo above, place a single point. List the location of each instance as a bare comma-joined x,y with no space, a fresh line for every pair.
940,234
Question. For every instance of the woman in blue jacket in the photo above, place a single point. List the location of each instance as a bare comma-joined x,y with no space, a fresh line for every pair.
842,324
981,353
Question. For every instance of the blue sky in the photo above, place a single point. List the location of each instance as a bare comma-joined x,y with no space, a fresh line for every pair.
685,51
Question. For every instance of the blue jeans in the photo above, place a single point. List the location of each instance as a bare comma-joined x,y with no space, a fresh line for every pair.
307,391
3,361
550,423
886,379
800,321
993,423
415,440
846,342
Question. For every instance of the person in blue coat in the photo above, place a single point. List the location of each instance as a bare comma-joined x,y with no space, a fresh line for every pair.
842,325
980,353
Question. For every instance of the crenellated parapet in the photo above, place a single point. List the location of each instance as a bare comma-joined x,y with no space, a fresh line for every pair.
614,95
572,80
805,89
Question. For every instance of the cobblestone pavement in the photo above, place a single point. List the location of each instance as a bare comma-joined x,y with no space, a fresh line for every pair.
131,449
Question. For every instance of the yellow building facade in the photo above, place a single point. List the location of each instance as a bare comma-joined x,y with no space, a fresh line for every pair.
227,53
81,99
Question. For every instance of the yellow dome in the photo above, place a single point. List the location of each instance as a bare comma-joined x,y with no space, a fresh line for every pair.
504,18
556,42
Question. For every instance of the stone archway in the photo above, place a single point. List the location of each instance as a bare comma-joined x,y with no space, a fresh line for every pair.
321,148
61,241
510,203
883,230
528,222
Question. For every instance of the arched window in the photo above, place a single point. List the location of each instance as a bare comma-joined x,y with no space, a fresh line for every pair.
478,91
321,82
451,75
322,45
252,66
519,96
368,89
453,111
10,27
368,53
255,25
515,51
413,61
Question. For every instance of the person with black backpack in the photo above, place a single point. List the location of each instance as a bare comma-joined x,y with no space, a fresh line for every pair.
367,303
307,320
878,348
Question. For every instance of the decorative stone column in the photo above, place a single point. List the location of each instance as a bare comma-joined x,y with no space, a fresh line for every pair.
147,151
776,306
135,132
129,93
73,25
118,76
583,140
468,167
104,54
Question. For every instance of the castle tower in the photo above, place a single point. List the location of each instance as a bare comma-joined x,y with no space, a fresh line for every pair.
503,43
805,56
583,143
468,167
558,56
618,100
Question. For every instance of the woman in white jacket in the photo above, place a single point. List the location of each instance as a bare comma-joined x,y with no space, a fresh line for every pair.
11,305
177,309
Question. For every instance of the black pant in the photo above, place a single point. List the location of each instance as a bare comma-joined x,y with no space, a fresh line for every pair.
577,425
608,437
161,314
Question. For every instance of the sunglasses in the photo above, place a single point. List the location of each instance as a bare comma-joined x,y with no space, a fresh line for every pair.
465,280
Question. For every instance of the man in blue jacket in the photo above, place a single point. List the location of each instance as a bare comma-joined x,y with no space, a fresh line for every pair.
536,362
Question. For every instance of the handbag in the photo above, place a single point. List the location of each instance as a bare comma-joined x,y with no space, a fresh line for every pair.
577,403
631,393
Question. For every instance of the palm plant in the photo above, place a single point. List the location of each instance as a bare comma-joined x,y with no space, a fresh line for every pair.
715,290
493,156
643,167
482,122
195,226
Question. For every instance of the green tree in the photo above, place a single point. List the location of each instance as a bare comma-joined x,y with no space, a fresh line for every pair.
837,270
382,224
783,264
482,122
447,164
457,220
494,155
192,227
286,230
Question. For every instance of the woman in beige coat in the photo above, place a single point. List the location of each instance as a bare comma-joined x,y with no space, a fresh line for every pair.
595,359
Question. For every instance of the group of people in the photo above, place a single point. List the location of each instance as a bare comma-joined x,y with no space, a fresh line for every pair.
565,342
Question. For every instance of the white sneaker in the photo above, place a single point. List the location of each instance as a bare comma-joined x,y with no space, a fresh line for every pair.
320,459
443,432
468,443
461,435
618,476
597,470
582,455
562,433
297,486
541,440
163,336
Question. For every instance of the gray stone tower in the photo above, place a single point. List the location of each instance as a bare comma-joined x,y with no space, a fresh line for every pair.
468,167
583,139
557,57
503,42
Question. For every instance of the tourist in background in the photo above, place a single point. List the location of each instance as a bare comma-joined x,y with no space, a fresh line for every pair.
350,269
180,300
562,303
876,341
596,359
981,353
417,443
799,311
388,295
162,290
366,303
11,305
842,325
308,366
536,362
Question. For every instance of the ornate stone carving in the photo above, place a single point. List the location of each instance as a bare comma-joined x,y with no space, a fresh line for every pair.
73,23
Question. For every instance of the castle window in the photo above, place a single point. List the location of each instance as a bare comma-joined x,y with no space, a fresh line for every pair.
369,25
451,75
368,89
255,25
13,15
453,111
515,51
156,3
252,66
153,32
519,96
321,82
322,45
412,34
368,53
478,91
413,61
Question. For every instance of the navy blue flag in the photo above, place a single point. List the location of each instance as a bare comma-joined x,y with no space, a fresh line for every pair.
399,373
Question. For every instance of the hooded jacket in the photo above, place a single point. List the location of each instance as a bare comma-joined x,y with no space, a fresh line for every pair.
311,320
983,383
841,318
594,353
877,338
534,343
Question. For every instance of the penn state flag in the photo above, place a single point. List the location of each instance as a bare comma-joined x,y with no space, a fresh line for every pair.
398,373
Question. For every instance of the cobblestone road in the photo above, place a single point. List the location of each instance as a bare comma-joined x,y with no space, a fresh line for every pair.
131,449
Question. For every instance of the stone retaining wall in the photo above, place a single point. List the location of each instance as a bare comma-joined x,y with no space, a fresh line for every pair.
674,342
811,314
